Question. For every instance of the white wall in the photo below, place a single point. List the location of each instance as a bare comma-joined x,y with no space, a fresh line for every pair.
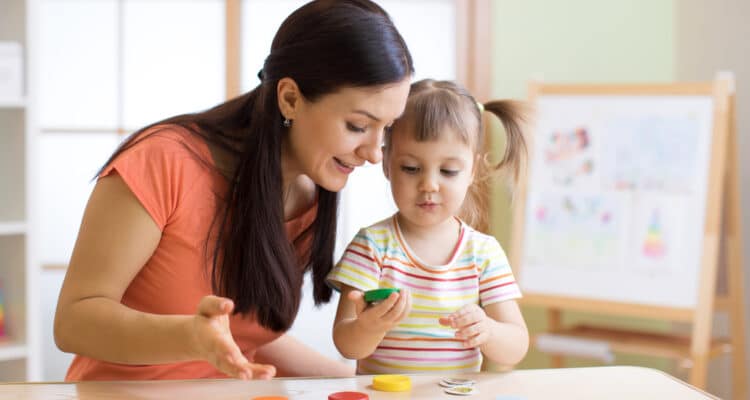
104,65
710,37
366,198
108,64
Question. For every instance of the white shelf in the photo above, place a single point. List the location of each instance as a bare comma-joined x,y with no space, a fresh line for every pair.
12,351
12,228
18,103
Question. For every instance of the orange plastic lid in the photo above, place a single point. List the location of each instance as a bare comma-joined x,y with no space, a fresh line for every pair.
348,396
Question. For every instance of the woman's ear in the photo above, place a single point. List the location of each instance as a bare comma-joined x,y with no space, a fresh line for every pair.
289,97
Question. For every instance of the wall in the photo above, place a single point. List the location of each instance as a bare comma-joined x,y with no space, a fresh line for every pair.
712,37
577,41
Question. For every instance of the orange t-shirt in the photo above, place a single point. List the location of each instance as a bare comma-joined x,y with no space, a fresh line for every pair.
178,190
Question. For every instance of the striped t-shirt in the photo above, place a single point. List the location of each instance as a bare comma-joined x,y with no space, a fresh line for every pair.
478,272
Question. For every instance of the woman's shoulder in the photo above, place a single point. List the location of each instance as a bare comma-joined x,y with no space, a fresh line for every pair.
171,138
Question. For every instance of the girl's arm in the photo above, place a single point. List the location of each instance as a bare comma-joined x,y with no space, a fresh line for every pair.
508,338
498,330
358,329
294,358
116,239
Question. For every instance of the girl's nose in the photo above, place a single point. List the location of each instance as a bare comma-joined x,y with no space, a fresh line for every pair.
428,183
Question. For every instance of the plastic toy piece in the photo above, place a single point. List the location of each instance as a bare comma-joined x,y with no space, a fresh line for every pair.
391,383
376,295
348,396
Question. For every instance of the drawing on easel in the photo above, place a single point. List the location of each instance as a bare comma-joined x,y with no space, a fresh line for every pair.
2,314
652,152
653,245
659,188
568,153
574,231
616,196
658,226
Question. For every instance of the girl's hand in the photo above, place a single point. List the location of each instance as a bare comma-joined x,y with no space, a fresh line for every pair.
383,316
215,344
471,323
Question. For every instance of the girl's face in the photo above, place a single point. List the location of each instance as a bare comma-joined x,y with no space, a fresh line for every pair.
340,131
428,179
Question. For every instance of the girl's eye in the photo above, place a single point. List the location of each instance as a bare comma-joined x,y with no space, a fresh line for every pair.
449,172
388,129
354,128
409,169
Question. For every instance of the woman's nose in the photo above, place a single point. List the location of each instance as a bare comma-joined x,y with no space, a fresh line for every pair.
372,150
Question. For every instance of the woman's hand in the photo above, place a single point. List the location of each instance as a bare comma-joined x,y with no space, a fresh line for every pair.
213,340
383,316
472,325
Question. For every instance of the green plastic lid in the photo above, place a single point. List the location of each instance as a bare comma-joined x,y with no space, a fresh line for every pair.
379,294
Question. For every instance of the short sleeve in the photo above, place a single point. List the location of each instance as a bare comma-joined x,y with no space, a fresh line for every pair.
496,280
158,169
359,266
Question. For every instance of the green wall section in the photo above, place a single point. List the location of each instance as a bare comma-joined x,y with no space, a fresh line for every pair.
576,41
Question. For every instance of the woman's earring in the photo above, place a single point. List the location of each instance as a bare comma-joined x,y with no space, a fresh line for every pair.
287,122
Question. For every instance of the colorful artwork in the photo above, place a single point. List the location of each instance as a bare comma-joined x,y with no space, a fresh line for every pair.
616,197
658,225
568,155
653,246
667,164
573,231
2,314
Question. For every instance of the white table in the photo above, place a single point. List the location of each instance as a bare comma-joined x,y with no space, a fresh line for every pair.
618,382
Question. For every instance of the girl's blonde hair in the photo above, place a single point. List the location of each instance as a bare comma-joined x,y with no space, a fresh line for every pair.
434,106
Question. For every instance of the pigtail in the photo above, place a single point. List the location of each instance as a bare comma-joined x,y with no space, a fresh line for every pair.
513,115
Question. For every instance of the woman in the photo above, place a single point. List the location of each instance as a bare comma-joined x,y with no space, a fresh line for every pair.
190,258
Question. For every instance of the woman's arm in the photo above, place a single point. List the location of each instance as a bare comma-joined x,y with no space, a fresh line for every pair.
359,329
294,358
116,238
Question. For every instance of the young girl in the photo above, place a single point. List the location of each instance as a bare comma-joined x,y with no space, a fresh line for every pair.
457,298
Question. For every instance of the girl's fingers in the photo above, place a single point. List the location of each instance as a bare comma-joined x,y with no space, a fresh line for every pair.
467,315
358,298
407,307
477,340
385,306
470,331
397,310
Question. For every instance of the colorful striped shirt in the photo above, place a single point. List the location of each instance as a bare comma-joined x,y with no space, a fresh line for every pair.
478,272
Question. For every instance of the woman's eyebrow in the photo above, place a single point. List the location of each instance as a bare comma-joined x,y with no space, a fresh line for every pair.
367,114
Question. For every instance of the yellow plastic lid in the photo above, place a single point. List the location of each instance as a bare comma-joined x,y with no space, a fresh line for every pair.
391,383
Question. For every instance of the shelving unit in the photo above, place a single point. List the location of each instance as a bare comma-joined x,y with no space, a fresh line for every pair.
15,267
12,351
6,104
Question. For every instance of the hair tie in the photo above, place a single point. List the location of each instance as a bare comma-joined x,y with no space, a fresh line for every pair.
480,106
261,75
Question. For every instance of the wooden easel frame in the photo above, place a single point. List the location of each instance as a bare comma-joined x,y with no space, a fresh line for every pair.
723,190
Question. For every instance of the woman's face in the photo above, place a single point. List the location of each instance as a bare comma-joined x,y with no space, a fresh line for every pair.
340,131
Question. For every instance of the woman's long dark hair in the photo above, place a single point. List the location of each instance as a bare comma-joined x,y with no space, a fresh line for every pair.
323,46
